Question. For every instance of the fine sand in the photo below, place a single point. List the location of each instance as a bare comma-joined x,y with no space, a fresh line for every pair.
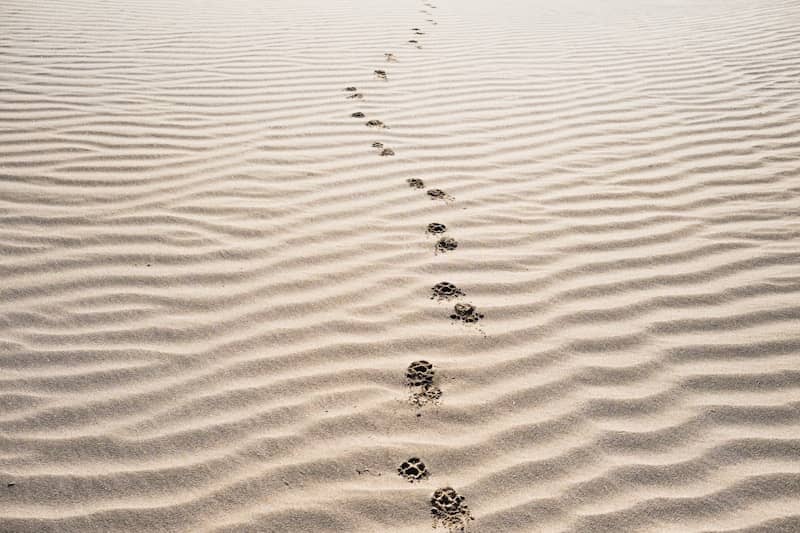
212,283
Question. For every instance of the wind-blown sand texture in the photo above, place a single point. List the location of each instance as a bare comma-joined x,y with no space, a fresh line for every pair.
213,283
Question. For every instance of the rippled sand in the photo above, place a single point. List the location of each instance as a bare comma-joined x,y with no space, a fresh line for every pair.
212,282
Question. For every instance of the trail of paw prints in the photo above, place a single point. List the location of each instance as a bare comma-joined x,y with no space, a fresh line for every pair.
413,470
449,510
421,379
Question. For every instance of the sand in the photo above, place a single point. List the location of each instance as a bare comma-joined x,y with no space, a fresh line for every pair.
213,283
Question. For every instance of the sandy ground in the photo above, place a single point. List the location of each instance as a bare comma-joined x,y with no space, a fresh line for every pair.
213,283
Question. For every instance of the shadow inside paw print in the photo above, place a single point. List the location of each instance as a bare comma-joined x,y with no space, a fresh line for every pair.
413,470
446,244
439,194
415,183
436,228
466,313
444,290
449,510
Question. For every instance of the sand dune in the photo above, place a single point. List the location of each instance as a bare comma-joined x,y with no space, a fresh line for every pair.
213,281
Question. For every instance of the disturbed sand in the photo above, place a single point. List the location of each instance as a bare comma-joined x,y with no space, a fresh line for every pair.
214,276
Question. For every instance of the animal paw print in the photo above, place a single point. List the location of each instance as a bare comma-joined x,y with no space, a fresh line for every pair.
444,290
387,152
381,74
413,470
351,89
358,114
419,377
449,510
358,96
415,183
439,194
375,124
466,313
445,244
436,228
390,58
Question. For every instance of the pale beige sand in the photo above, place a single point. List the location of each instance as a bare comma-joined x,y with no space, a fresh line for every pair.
212,283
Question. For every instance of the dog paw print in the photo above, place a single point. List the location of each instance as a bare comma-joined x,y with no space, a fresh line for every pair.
381,74
439,194
445,244
444,290
391,58
357,96
466,313
387,152
415,183
436,228
420,378
375,124
449,510
351,89
413,470
358,114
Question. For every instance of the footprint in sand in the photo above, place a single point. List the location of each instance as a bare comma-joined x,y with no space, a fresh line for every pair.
357,96
377,145
413,470
446,244
415,183
436,228
381,74
439,194
375,124
358,114
413,41
449,510
444,290
391,58
387,152
351,89
420,378
466,313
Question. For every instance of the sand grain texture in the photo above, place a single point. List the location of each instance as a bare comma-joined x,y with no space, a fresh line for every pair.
212,283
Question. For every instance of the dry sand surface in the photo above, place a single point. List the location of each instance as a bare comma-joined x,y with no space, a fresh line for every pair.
212,283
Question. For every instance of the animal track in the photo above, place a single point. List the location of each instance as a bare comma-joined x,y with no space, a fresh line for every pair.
413,470
436,228
377,145
444,290
358,114
381,74
419,373
355,95
420,376
449,510
413,41
415,183
391,58
387,152
466,313
375,124
350,89
439,194
446,244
